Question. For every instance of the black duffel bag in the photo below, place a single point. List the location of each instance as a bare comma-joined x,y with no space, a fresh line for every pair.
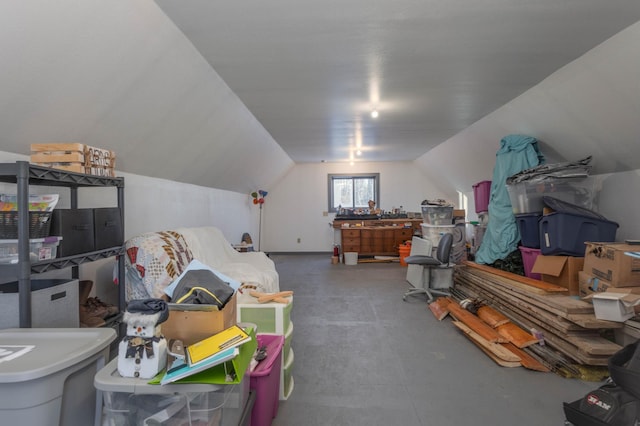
202,287
624,368
609,405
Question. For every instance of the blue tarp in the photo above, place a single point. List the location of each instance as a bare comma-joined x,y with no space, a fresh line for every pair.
516,153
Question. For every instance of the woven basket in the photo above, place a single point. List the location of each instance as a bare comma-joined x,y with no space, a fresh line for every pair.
39,225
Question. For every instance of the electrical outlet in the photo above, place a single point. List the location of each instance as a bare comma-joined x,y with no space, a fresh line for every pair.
299,240
325,213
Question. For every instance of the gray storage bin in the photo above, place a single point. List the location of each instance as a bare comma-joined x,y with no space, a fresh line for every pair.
54,303
46,375
76,227
107,228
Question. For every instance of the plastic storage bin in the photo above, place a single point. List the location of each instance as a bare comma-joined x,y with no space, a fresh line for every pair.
52,383
529,256
437,215
39,249
566,233
481,192
269,317
107,227
526,197
529,227
434,233
54,303
265,380
129,401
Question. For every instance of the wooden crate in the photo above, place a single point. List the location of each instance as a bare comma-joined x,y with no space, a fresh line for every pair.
74,157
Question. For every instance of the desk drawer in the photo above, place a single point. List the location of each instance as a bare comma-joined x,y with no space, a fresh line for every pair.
350,233
351,247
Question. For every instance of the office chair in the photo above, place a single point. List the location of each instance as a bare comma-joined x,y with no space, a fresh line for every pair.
440,261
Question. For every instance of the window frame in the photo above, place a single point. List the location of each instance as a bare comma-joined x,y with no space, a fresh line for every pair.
352,176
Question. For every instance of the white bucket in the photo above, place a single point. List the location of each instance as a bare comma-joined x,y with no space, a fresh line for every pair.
351,258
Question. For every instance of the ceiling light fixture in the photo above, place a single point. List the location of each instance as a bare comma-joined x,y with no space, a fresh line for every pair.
358,152
374,113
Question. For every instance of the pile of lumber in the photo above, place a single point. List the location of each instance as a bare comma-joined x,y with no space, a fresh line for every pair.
566,324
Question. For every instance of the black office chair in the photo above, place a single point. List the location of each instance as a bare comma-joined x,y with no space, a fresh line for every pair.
440,261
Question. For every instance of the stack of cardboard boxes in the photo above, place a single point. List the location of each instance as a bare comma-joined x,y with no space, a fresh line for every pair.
608,275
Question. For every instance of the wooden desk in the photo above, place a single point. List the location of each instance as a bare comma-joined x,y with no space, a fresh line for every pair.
376,240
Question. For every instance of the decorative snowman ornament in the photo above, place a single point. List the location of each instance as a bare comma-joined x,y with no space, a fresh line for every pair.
142,353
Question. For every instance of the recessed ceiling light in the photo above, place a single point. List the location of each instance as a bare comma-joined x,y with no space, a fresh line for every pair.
374,113
358,152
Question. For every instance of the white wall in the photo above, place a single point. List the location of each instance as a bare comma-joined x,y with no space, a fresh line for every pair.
295,205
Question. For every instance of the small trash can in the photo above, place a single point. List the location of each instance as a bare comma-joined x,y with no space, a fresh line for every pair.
46,374
265,380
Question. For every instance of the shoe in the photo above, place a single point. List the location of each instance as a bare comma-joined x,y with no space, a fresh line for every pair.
85,290
106,308
90,317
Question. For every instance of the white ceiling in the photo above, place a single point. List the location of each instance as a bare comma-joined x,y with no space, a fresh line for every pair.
311,72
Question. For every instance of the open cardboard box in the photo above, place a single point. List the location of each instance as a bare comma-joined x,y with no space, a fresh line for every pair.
560,270
609,262
192,323
618,305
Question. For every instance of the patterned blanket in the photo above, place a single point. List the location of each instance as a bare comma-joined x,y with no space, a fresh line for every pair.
152,261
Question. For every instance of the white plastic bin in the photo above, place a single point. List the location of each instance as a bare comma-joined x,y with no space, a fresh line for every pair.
46,375
350,258
39,249
132,401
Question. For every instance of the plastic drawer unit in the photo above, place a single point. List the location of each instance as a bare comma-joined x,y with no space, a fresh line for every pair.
129,401
46,375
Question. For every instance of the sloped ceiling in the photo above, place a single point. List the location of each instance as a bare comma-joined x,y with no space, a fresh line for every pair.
311,72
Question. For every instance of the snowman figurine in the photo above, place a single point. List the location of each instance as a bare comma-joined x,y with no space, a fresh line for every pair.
142,353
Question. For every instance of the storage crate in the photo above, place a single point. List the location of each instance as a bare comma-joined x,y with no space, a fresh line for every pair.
434,233
265,380
481,193
566,233
271,317
529,227
437,215
529,256
286,384
133,401
107,228
54,304
51,382
526,197
39,224
39,249
76,226
74,157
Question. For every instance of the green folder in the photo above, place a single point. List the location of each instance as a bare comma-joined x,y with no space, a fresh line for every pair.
218,375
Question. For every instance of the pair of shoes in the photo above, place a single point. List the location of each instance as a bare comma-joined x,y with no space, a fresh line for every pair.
90,317
101,309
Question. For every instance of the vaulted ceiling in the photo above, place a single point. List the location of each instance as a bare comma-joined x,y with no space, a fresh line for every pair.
312,72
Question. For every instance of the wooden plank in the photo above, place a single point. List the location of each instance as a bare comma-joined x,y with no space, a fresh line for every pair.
519,280
492,317
57,147
502,300
440,308
590,321
55,157
68,167
560,303
501,355
516,335
526,360
475,323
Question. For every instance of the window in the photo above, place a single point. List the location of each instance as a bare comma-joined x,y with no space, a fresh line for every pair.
353,191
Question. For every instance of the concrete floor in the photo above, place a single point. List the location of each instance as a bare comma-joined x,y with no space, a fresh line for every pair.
363,356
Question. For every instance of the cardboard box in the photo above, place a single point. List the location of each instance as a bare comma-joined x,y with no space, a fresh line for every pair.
588,284
615,306
560,270
608,262
192,323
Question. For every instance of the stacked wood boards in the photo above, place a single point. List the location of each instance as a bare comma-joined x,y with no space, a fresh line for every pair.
569,325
